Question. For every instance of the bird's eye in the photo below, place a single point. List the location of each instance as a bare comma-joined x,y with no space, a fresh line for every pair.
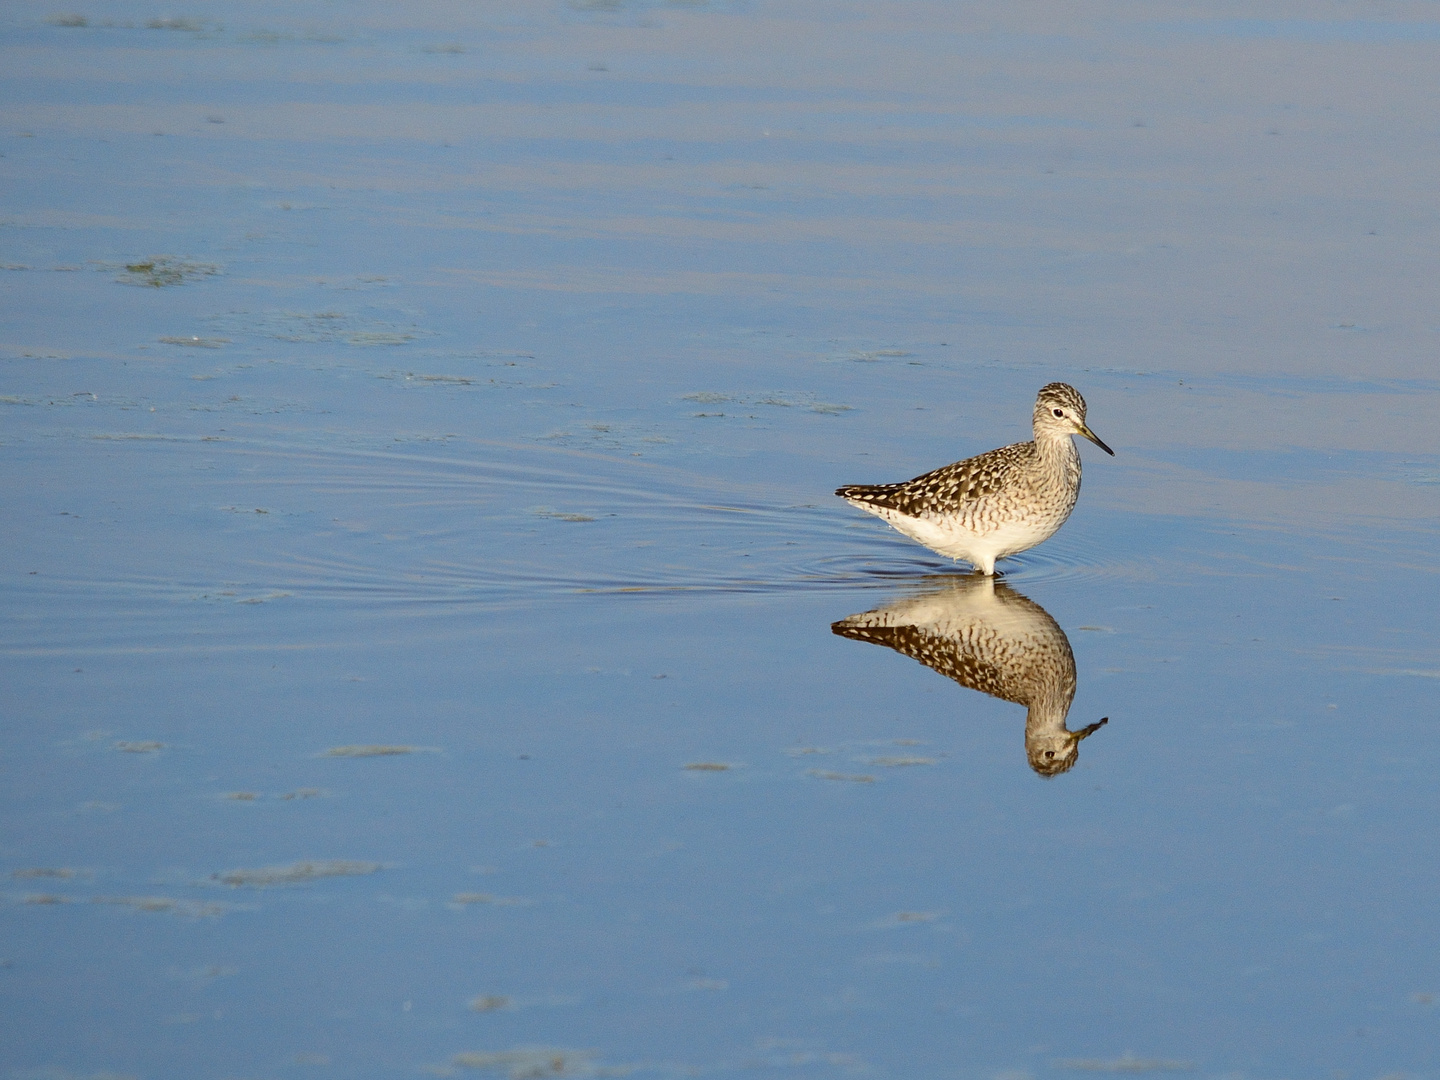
1049,753
1058,412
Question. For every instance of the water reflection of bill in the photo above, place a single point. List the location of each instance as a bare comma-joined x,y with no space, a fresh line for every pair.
985,635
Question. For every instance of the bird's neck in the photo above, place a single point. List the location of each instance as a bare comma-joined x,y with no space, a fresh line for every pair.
1046,711
1056,450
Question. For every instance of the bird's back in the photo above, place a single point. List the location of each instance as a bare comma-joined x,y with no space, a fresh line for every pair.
950,488
981,634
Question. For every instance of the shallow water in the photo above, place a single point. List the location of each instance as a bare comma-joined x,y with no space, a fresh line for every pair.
424,602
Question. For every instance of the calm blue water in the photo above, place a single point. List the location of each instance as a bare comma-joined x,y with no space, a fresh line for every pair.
418,427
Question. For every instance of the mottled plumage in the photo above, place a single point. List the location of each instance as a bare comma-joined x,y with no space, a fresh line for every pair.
986,636
998,503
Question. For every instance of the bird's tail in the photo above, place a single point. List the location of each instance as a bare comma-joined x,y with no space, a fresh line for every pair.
865,492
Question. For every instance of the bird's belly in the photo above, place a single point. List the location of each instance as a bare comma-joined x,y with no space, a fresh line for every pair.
1016,536
971,539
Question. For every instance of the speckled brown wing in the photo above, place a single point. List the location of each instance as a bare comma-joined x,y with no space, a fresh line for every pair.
1008,647
939,652
945,488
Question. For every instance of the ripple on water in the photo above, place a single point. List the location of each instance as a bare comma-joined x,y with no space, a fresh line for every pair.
375,527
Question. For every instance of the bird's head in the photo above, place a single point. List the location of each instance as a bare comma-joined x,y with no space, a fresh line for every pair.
1060,410
1053,753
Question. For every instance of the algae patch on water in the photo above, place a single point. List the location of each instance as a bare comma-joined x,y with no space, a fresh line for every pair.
192,908
194,342
910,918
370,751
802,400
60,873
161,271
902,761
528,1061
826,774
360,329
559,515
297,873
490,1003
465,899
1125,1063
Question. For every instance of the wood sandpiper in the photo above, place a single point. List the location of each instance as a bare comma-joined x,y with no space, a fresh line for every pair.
986,636
996,504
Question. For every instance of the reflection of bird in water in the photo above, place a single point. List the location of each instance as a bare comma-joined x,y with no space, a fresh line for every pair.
985,635
998,503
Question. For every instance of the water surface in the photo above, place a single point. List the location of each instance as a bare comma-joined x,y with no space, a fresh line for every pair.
423,593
